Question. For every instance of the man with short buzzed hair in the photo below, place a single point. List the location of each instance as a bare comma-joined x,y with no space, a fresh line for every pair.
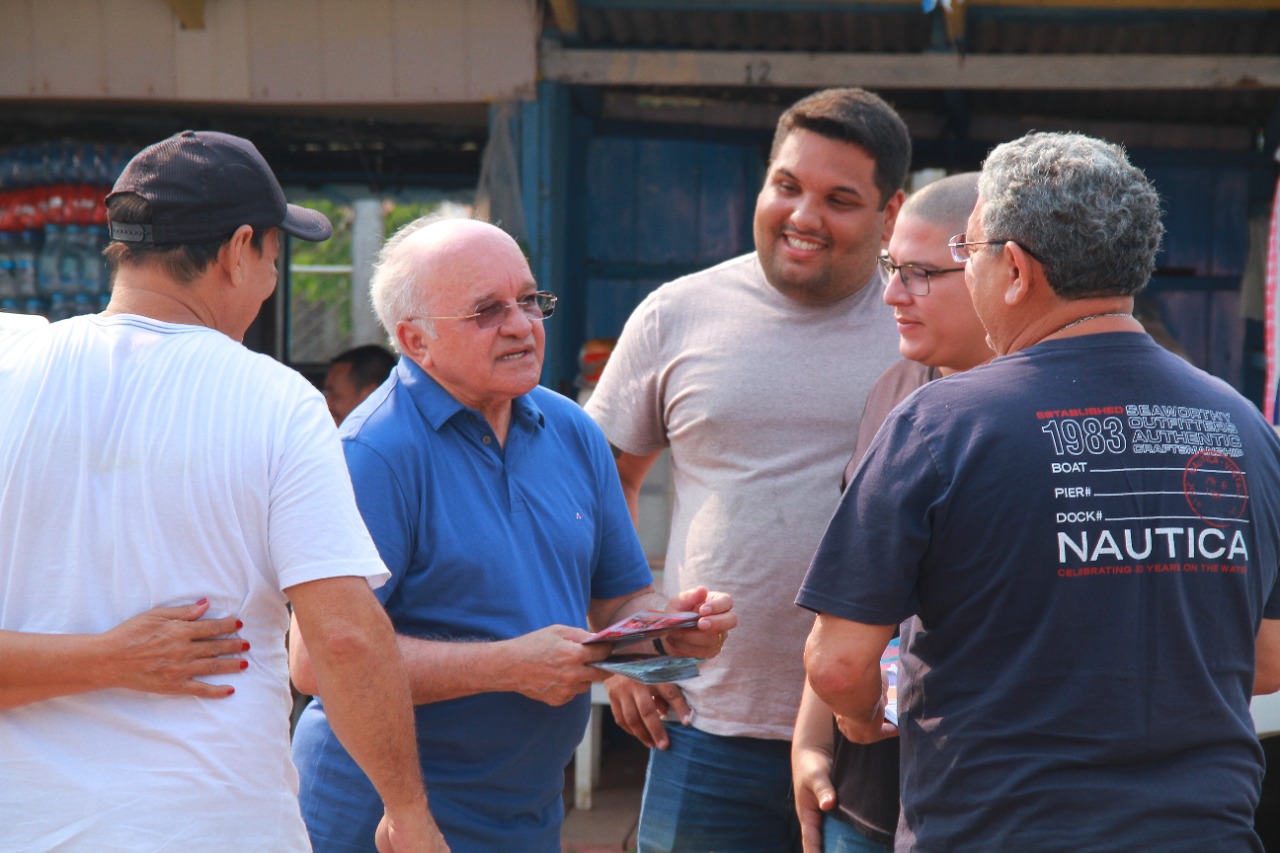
847,793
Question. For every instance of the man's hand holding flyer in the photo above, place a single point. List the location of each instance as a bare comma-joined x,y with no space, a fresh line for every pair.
639,627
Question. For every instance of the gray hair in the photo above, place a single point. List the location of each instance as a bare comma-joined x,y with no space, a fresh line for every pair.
392,290
1077,205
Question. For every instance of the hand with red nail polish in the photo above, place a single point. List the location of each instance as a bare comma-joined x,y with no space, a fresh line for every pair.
162,650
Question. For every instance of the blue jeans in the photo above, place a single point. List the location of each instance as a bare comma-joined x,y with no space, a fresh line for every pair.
840,837
710,794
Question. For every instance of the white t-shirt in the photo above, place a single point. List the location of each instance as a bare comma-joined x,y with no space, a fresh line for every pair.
148,464
759,398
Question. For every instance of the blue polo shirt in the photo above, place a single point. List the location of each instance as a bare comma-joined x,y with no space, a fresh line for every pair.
484,542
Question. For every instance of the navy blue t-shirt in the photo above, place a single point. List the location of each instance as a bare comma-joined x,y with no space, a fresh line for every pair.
1088,530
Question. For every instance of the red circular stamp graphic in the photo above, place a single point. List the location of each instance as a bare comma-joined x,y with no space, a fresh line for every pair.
1215,488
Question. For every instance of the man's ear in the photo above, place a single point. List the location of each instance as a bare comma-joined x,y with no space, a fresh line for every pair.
233,257
891,211
414,342
1024,272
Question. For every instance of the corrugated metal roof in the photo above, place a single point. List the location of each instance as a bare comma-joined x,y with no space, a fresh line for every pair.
904,29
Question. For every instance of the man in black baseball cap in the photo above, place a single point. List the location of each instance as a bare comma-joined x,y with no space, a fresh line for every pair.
201,204
201,185
152,461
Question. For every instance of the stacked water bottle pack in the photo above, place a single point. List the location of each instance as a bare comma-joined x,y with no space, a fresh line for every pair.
53,227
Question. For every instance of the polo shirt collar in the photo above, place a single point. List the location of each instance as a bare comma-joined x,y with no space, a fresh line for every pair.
437,406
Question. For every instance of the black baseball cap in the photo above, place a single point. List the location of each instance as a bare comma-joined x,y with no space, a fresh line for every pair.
202,185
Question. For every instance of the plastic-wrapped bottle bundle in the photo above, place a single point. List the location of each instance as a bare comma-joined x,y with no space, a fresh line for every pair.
70,261
24,267
52,225
84,304
94,277
59,308
48,260
8,286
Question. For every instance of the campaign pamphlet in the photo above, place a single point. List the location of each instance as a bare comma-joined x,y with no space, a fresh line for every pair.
644,625
889,665
651,669
639,627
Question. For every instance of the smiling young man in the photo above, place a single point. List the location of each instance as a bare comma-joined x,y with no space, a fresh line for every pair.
496,506
754,374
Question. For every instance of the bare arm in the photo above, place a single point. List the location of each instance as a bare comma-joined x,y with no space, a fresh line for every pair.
549,665
159,651
811,760
603,612
842,660
359,673
632,470
1266,678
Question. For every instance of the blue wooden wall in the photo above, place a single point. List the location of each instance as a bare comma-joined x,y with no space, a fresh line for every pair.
615,211
1197,283
655,209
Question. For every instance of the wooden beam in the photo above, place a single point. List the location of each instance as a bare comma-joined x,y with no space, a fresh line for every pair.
565,13
1135,5
190,13
1063,72
860,5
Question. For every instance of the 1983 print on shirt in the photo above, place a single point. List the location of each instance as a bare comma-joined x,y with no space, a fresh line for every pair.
1103,452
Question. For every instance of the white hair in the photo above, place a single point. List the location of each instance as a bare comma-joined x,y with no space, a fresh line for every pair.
393,289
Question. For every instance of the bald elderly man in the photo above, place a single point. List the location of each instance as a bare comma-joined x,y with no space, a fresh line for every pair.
496,505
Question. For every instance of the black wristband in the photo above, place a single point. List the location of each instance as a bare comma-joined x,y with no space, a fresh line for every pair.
657,644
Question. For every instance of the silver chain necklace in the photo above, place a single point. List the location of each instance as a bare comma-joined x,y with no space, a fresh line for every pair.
1090,317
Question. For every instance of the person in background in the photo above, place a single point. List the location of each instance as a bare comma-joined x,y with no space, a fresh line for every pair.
846,793
353,375
754,374
149,459
496,505
1088,530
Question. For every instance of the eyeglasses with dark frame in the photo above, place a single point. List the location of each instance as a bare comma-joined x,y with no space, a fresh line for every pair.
536,306
915,278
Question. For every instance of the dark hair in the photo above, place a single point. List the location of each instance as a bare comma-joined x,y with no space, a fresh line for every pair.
370,364
183,262
859,118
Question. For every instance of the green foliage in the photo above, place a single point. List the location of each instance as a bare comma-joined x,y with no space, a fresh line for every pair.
333,290
329,289
396,216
